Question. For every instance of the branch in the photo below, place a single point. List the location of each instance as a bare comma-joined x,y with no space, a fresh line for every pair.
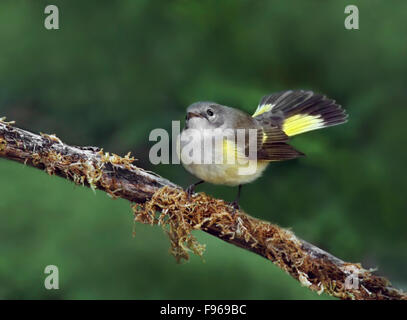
150,193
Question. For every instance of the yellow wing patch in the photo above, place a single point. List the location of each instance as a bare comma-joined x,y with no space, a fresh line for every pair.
301,123
262,109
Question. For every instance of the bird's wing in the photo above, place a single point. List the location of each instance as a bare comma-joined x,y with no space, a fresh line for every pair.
269,144
299,111
272,145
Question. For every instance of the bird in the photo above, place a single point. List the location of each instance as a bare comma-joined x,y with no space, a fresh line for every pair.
278,117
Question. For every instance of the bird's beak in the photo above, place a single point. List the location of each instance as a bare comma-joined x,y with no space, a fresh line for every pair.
193,114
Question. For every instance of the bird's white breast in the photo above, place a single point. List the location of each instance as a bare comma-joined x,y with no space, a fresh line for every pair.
224,173
233,169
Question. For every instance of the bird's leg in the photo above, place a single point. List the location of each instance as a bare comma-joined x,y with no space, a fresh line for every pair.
191,189
235,203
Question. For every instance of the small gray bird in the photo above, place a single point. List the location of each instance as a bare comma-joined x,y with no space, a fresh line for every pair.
278,117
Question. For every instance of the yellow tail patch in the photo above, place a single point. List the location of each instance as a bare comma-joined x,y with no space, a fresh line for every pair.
301,123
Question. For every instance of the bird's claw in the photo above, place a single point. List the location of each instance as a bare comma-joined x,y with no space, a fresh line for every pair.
235,205
190,190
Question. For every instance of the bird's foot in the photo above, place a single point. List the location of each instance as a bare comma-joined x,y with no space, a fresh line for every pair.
235,205
190,190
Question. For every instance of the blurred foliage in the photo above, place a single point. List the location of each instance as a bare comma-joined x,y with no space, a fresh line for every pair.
118,69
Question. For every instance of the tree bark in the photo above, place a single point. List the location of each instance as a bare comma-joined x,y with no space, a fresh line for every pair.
149,193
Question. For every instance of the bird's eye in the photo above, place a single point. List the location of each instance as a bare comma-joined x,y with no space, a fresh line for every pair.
209,112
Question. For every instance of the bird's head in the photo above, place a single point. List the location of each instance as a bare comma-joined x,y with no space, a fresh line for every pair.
205,115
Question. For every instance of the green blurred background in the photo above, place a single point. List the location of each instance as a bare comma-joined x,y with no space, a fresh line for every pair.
118,69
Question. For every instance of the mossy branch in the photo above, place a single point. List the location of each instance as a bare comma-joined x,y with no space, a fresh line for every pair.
150,193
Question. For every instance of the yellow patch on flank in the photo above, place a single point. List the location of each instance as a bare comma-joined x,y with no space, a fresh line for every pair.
229,151
262,109
301,123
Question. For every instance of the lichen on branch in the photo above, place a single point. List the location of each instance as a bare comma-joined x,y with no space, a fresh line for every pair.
179,215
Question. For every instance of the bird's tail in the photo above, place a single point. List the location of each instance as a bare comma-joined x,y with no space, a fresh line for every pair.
300,111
